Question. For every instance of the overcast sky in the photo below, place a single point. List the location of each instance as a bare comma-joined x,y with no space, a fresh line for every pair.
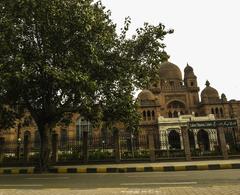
206,35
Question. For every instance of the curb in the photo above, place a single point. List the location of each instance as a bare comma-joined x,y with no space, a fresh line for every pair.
123,169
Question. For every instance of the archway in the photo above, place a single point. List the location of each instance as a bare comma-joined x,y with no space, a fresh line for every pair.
174,140
203,140
175,108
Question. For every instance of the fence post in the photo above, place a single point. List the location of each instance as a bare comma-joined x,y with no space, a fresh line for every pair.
222,142
2,144
85,146
117,153
151,147
26,148
55,148
186,143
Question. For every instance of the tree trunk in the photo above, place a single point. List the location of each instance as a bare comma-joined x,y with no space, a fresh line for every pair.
45,147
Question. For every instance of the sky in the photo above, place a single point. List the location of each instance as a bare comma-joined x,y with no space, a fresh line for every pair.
206,35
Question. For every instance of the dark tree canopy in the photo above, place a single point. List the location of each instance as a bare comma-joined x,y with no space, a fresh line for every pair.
64,56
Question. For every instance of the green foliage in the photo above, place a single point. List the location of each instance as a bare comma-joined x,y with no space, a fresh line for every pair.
60,56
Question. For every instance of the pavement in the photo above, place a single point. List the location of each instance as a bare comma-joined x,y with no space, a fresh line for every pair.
132,167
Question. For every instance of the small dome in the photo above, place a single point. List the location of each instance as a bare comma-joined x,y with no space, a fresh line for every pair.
188,68
146,95
188,72
209,92
170,71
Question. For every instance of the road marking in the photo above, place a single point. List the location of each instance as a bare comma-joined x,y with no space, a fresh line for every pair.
21,185
149,176
47,178
160,183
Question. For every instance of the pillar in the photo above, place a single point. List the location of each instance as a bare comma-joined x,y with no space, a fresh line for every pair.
54,147
151,147
195,139
85,146
185,138
222,142
181,141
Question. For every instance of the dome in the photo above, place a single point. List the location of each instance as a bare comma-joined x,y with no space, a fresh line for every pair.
188,72
146,95
170,71
188,69
209,92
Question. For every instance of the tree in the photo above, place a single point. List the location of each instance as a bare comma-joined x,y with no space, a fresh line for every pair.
64,56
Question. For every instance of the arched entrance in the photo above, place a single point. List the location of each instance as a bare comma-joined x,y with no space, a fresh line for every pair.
203,140
174,140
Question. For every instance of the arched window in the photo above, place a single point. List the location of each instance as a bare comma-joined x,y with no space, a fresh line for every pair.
148,115
81,126
212,111
217,112
144,115
153,115
176,104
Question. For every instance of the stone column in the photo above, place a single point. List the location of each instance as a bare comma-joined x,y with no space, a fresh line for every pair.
195,139
186,143
54,147
85,146
164,140
222,142
151,147
26,148
117,152
2,144
181,140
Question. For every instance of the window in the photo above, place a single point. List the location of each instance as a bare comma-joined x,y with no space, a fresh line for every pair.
148,115
192,83
217,112
81,126
212,111
153,115
144,115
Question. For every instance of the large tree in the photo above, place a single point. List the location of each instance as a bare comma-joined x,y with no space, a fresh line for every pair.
64,56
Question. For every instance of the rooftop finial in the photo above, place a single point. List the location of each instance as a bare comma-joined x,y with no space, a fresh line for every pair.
207,83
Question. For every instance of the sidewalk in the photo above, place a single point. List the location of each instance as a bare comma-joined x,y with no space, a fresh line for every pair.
133,167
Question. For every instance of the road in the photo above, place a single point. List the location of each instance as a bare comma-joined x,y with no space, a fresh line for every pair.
182,182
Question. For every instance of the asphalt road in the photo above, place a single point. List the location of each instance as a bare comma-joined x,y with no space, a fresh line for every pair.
122,180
